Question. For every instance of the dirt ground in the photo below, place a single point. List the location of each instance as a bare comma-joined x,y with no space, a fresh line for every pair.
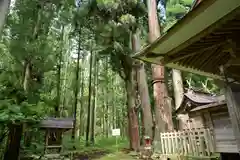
117,156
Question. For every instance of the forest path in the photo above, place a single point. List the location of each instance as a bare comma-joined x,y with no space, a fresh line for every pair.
118,156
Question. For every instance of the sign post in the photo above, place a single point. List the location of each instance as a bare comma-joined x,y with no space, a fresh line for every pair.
116,133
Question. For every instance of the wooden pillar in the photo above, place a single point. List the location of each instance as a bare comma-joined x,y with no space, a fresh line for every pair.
46,141
207,120
233,108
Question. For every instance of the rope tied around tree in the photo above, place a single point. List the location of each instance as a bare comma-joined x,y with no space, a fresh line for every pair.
158,80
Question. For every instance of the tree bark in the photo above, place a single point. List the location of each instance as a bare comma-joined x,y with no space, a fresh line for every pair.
13,143
106,99
178,95
4,9
89,99
76,91
93,121
113,104
177,87
59,67
132,116
143,91
26,75
81,131
163,119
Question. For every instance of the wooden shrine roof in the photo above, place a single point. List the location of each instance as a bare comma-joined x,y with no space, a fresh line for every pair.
208,106
57,123
192,100
201,41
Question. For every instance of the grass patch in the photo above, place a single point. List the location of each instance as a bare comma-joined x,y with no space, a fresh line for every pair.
117,156
103,147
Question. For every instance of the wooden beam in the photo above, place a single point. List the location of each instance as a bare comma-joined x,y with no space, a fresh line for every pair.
233,108
231,47
198,35
171,59
233,62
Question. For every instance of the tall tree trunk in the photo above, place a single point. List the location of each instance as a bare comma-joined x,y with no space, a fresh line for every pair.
113,104
13,143
59,67
27,75
93,121
178,94
132,116
143,129
89,99
106,106
81,131
76,91
143,91
162,111
178,87
4,8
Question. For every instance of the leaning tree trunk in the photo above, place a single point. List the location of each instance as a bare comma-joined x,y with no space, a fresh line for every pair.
162,110
143,91
4,8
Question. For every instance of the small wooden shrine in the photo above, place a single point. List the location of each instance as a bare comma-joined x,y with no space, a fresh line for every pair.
55,127
209,112
191,100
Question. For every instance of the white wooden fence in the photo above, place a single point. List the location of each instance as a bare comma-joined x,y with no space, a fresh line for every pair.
194,142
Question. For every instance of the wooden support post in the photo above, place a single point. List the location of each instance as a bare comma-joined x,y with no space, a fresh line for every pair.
46,141
233,108
208,120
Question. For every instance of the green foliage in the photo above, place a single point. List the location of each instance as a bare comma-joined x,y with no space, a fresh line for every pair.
187,2
201,83
176,10
13,113
33,35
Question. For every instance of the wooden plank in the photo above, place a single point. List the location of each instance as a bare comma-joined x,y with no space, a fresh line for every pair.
234,112
173,143
207,142
192,143
59,146
66,123
162,145
46,141
176,134
184,139
196,136
169,144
